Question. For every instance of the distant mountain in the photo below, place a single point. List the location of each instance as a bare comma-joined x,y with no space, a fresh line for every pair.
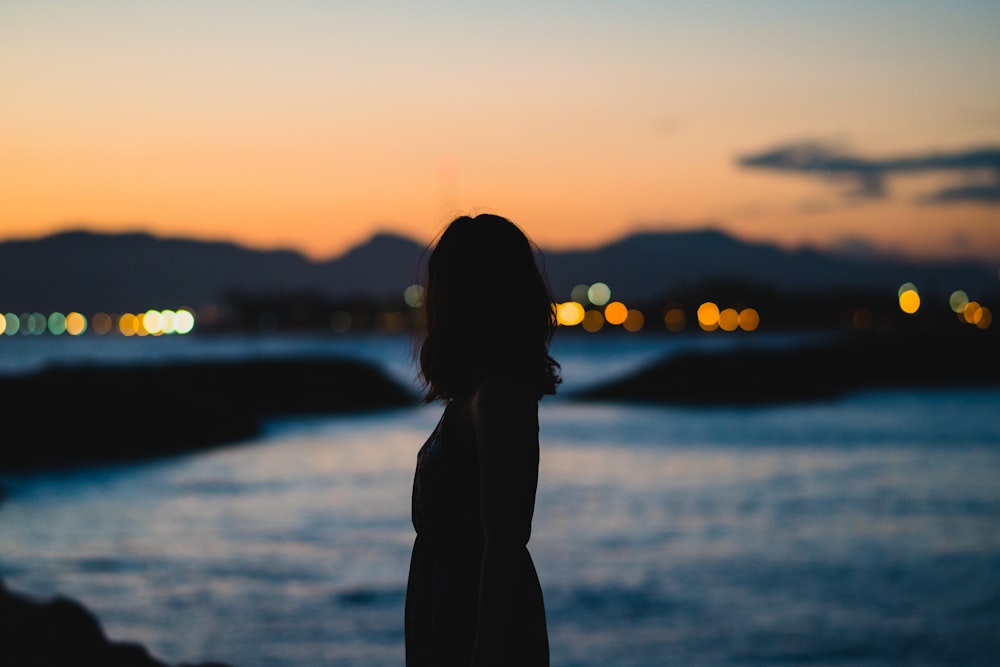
91,272
654,263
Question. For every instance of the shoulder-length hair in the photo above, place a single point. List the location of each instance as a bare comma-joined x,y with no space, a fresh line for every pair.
487,308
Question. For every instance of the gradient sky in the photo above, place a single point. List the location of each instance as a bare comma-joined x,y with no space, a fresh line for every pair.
313,124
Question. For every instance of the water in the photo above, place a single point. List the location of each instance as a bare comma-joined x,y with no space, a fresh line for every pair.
862,531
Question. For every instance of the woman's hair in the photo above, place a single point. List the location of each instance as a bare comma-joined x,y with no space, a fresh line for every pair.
487,308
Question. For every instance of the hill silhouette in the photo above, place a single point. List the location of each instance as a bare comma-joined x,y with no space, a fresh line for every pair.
90,271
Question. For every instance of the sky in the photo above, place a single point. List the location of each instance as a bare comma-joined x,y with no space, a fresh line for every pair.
312,125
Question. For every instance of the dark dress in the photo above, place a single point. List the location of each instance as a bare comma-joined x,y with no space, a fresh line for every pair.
442,594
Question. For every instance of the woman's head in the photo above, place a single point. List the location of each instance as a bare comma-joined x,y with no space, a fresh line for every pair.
487,307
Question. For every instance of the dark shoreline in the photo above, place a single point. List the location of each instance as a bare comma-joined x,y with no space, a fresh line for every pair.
71,415
61,631
82,414
854,361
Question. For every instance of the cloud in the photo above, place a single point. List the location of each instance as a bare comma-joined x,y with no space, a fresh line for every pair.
867,177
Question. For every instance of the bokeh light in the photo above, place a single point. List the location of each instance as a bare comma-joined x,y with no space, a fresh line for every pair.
615,313
957,300
909,298
569,313
599,294
708,316
749,319
729,319
593,321
634,321
102,323
76,324
414,296
183,321
674,319
579,294
985,318
56,324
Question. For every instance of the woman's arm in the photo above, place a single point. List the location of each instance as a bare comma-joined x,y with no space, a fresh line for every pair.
505,419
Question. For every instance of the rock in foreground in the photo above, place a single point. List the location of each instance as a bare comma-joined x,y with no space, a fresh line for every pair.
62,633
68,415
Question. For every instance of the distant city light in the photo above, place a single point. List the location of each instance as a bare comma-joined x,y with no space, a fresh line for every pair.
12,323
57,324
76,324
414,296
729,319
749,319
599,294
634,320
579,294
957,300
674,319
708,316
593,321
102,323
569,313
615,313
909,299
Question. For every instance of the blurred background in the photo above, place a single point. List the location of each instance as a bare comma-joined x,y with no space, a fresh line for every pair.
256,184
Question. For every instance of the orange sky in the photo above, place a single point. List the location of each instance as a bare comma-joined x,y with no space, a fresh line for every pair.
311,125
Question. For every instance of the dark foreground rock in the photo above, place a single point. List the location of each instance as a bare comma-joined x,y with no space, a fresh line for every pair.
61,632
967,357
68,415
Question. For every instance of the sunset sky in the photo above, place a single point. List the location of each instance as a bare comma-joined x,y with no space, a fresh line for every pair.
311,125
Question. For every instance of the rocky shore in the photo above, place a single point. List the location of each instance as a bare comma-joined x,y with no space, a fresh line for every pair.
867,360
61,632
70,415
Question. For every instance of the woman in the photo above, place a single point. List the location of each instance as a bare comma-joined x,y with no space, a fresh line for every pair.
473,596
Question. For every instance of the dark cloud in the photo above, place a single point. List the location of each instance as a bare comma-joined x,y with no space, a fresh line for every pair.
867,177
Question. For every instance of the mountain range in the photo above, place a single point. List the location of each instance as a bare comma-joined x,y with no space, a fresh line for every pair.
89,271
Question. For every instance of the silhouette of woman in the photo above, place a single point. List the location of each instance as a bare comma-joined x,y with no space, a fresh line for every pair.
473,595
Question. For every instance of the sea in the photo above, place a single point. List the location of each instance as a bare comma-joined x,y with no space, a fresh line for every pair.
863,530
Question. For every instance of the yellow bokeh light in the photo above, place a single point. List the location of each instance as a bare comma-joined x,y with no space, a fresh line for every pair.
152,322
167,321
985,318
76,324
593,321
569,313
909,301
634,321
674,319
3,323
127,324
729,319
749,319
971,312
615,313
708,316
906,287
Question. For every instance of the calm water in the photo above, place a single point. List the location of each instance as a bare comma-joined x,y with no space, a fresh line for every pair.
864,531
